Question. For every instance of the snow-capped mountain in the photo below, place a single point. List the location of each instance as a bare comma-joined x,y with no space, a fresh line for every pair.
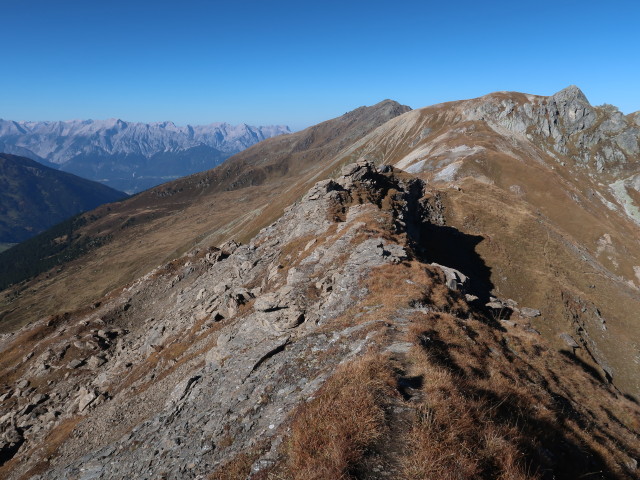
130,156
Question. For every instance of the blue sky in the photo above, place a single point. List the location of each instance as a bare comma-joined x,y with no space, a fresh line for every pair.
299,63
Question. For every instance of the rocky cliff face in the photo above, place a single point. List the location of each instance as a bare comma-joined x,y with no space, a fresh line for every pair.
598,137
331,344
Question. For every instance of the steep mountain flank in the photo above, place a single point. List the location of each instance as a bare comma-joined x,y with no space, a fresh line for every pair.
34,197
235,200
130,156
329,346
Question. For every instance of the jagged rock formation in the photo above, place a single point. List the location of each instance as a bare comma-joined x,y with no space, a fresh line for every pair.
130,156
239,362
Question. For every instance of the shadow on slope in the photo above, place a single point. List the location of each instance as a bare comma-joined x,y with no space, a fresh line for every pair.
434,242
506,418
449,246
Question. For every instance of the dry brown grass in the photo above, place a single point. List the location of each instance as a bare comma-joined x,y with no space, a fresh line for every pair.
492,407
239,467
412,283
330,434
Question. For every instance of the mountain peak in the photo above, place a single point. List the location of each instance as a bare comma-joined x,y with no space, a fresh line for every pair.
391,105
570,94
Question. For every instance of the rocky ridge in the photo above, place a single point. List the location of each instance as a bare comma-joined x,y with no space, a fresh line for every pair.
212,358
600,137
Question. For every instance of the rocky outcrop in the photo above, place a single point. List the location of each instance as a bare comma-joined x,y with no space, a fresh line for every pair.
601,137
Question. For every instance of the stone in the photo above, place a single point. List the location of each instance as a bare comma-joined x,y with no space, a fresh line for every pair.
568,339
96,361
291,319
399,347
39,398
75,363
455,279
527,312
85,398
22,384
229,247
267,302
495,305
281,320
214,257
350,169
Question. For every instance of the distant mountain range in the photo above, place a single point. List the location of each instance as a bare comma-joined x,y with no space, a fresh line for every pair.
129,156
34,197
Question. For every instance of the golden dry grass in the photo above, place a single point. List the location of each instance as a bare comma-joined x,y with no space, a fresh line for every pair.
329,434
500,408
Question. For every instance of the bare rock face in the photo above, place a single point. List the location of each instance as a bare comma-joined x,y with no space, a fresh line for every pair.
573,109
601,137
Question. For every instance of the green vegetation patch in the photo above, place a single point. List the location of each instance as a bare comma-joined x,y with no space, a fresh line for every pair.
6,246
56,246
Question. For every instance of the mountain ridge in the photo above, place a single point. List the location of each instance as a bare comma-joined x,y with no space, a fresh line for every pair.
527,183
258,180
35,197
328,344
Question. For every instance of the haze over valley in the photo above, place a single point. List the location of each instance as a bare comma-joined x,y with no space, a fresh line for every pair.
130,157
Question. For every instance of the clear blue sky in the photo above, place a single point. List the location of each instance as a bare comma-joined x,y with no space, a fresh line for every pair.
298,63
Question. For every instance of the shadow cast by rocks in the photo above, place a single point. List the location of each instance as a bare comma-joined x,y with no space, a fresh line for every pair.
407,385
594,373
434,242
450,247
